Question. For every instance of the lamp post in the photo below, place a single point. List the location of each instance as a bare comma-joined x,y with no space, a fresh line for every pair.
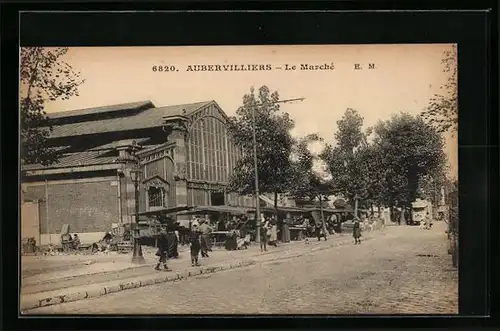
256,168
137,257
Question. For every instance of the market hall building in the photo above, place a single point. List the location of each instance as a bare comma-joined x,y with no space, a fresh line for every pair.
184,151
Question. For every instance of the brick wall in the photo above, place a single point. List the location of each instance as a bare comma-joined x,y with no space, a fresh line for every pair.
85,206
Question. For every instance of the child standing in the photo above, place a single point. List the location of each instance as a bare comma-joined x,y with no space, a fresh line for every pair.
194,240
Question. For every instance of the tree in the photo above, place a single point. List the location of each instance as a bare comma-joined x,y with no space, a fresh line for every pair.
273,141
371,174
411,151
349,133
307,183
342,159
44,77
442,111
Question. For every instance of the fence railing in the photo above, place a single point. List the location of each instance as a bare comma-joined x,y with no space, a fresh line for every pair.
453,226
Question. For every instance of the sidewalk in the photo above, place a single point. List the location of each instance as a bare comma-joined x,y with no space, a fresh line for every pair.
49,289
32,267
119,266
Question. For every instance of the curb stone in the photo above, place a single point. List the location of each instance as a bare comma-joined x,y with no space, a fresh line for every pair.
94,293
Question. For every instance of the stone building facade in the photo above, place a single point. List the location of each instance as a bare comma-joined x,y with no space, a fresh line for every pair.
184,152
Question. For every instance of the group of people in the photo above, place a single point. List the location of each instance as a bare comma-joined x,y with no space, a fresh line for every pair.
332,225
268,233
198,237
426,222
167,242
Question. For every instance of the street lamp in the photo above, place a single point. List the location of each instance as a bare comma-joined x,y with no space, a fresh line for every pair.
137,257
256,168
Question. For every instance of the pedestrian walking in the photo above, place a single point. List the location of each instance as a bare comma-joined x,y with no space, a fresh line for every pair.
194,240
206,242
356,231
162,251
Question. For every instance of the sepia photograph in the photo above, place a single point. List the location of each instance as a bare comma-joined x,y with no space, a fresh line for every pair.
286,180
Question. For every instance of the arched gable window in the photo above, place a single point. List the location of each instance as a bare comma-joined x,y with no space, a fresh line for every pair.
156,197
156,189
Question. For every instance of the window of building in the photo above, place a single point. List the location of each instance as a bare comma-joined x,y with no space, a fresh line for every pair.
156,197
217,198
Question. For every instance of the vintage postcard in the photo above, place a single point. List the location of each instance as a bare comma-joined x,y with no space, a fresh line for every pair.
239,180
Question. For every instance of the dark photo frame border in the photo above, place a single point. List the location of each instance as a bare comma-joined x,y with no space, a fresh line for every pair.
475,31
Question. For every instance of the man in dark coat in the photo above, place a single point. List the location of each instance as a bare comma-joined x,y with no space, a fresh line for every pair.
162,251
194,240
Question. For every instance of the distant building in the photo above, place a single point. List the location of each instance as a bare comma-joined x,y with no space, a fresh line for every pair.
184,151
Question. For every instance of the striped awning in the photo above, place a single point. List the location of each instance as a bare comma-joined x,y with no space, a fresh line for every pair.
165,211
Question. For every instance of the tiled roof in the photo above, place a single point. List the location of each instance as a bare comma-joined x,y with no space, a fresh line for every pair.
86,158
148,118
115,144
99,110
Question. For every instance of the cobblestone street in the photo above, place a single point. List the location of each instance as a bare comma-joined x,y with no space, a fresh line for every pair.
405,271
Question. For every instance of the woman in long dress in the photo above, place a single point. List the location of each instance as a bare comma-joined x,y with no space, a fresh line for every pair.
356,231
285,232
273,234
264,227
172,240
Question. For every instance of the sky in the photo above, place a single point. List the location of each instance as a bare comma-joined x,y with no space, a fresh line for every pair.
404,79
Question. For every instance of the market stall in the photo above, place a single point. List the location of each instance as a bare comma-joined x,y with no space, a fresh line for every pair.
221,218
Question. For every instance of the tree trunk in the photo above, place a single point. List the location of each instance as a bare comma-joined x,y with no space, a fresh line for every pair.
276,205
321,212
355,207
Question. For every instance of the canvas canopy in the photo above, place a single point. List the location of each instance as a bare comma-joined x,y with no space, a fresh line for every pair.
216,209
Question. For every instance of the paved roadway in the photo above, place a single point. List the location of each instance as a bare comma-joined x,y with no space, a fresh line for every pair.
405,271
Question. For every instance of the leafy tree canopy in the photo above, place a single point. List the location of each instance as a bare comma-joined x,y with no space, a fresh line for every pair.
274,144
411,150
442,111
44,77
343,158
